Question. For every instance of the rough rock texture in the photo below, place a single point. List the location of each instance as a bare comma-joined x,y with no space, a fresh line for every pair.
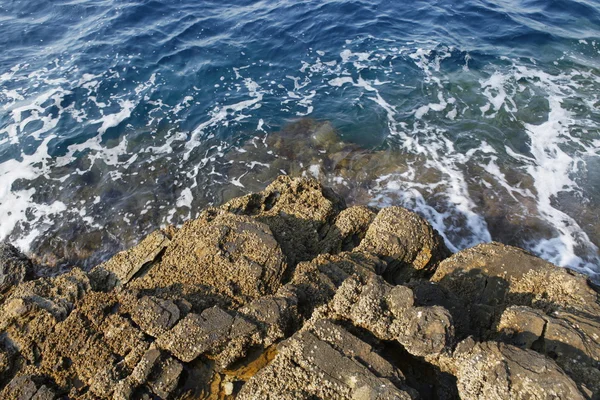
407,242
491,370
325,361
233,255
298,211
559,314
287,294
120,269
15,267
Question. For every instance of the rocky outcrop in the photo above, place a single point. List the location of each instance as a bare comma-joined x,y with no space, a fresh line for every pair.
288,294
15,267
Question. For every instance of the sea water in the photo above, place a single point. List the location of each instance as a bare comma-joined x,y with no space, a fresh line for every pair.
118,117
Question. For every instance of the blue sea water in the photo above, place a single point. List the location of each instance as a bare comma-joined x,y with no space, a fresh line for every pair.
118,117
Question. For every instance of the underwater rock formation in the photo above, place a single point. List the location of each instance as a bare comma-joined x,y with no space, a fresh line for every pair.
289,294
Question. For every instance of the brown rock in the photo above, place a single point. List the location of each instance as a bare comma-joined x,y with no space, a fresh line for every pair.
324,360
569,339
233,255
493,370
298,211
196,334
15,267
407,242
155,316
348,229
386,311
121,268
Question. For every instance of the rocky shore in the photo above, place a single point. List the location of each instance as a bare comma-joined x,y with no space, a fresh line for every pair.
289,294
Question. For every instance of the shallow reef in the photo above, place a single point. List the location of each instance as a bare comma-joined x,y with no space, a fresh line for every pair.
288,293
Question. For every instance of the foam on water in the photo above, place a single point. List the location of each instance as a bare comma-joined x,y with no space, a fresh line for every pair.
452,125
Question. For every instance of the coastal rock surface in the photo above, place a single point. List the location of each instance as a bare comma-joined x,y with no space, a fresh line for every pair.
290,294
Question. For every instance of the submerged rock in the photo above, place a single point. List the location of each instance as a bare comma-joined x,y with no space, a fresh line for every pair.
288,294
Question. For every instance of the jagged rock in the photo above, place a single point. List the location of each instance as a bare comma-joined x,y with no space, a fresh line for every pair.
348,229
214,332
156,369
298,211
494,276
234,255
387,312
569,339
316,282
407,242
196,334
27,387
15,267
33,309
241,300
155,316
120,269
493,370
325,361
427,294
276,316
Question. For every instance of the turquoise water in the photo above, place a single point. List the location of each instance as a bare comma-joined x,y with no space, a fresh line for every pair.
117,117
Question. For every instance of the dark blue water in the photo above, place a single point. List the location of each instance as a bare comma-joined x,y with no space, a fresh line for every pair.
117,117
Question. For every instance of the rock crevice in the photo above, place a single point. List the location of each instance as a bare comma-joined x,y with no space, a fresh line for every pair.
289,294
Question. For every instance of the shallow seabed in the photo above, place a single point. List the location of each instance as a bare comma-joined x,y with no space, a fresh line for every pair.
117,117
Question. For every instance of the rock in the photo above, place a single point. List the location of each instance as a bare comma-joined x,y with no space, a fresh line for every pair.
276,316
33,308
234,255
571,340
490,277
27,387
326,361
493,370
316,282
531,303
155,316
408,243
348,229
156,369
196,334
249,300
387,312
298,211
427,294
15,267
120,269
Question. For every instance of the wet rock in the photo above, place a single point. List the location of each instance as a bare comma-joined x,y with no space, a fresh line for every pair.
493,370
326,361
15,267
298,211
407,242
234,255
120,269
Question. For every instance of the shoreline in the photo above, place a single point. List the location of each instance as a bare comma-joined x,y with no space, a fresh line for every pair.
289,293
